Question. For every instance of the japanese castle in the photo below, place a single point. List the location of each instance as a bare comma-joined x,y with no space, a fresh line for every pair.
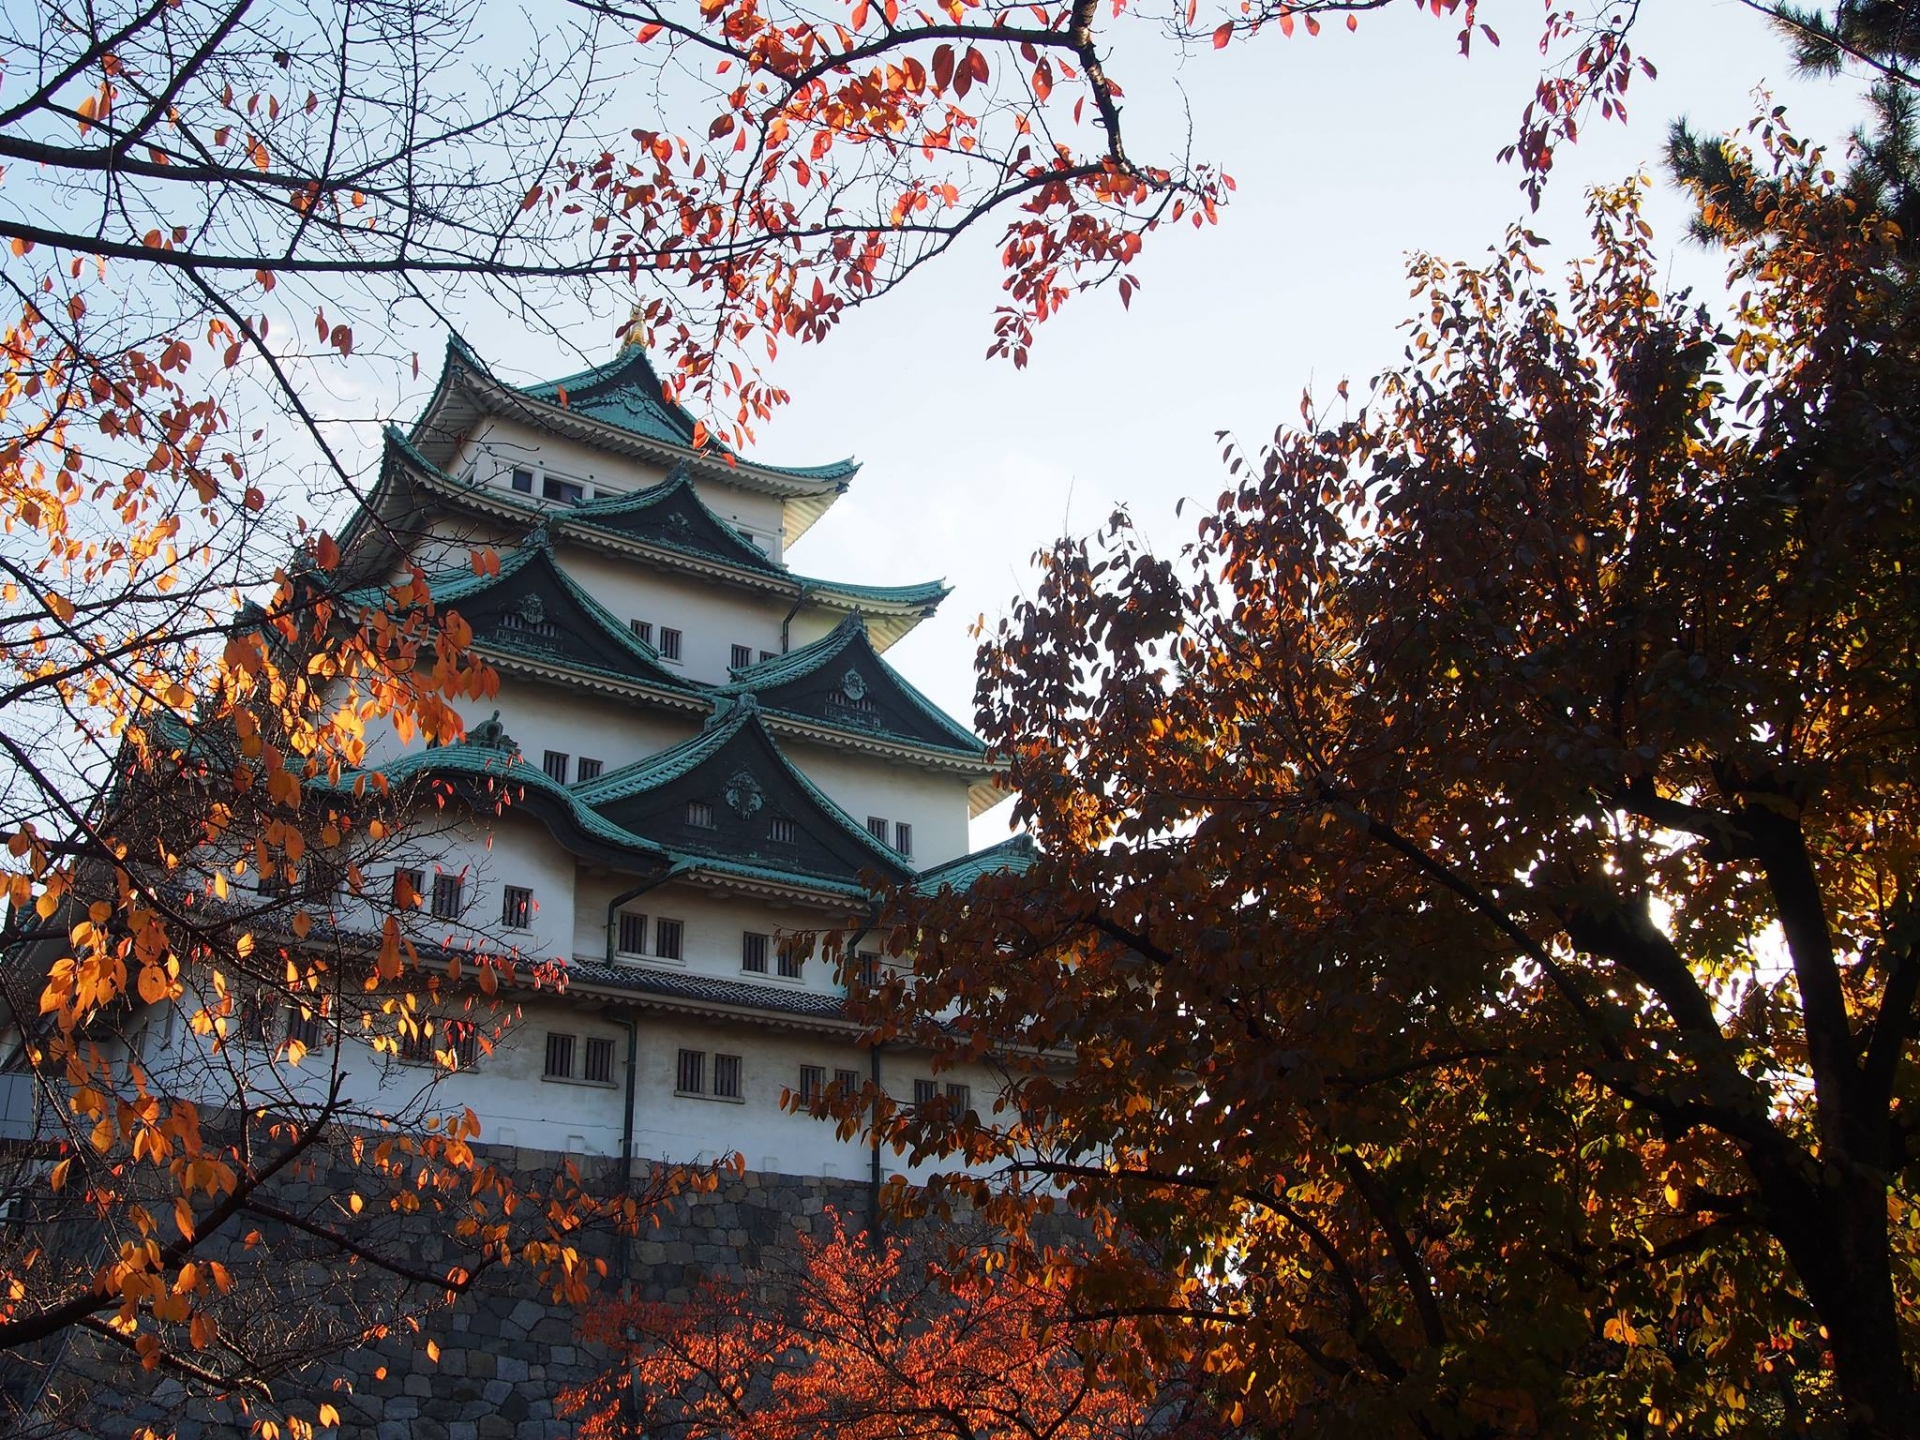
700,752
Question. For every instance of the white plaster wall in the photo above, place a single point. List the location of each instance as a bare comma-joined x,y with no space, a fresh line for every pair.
543,716
498,445
863,785
714,924
712,617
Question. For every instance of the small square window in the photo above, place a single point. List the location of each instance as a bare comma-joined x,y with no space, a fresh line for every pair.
877,827
516,907
959,1100
766,654
523,480
669,643
813,1083
903,837
690,1076
869,971
847,1082
753,953
782,831
567,492
925,1092
642,630
559,1055
633,933
666,939
449,900
409,888
587,770
599,1061
700,814
726,1077
555,764
742,657
791,964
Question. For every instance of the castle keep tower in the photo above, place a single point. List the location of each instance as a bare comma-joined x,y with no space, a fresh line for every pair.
701,749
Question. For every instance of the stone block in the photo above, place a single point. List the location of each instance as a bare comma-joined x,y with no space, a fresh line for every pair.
510,1368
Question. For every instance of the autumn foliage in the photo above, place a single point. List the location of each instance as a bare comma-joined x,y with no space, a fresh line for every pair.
869,1340
1472,955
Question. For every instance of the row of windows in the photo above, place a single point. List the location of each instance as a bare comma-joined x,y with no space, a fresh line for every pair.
556,761
594,1059
902,840
436,1040
672,642
667,936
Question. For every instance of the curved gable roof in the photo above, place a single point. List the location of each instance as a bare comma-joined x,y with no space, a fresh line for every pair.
532,608
673,515
735,779
840,680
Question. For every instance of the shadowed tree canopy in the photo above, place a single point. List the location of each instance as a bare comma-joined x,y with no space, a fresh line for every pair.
1473,949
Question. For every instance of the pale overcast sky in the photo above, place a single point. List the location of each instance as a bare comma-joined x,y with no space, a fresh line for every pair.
1350,151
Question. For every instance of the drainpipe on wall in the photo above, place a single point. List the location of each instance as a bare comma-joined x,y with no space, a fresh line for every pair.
852,954
786,625
632,1026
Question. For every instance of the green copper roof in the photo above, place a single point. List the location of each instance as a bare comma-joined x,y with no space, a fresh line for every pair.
929,592
732,717
610,649
1010,856
627,393
848,645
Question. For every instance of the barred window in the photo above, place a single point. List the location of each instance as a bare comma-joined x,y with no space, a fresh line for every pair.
813,1083
449,901
869,968
877,827
555,764
847,1082
903,837
633,933
925,1092
559,1055
255,1020
669,643
753,953
792,962
742,657
691,1077
436,1041
782,831
462,1037
666,939
599,1061
766,654
323,879
409,888
516,907
306,1025
700,814
726,1077
642,630
959,1099
587,770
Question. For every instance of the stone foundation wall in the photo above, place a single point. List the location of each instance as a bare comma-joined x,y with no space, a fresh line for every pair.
505,1350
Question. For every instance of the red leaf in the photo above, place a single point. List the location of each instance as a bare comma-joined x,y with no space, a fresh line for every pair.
1222,35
